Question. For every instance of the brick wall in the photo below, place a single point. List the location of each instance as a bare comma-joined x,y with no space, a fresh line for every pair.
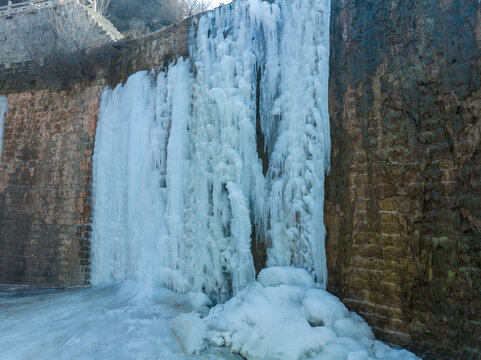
403,199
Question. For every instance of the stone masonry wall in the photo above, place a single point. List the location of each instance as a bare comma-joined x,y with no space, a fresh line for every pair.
45,175
46,161
403,198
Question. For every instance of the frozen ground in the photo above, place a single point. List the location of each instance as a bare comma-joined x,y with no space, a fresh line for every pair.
126,321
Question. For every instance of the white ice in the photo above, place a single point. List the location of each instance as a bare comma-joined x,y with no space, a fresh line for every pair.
124,321
272,319
3,116
138,224
178,183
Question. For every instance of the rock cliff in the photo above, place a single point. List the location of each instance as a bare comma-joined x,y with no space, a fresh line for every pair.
403,203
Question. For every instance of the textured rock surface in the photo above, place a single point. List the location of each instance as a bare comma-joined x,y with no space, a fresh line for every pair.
403,207
144,16
45,165
45,175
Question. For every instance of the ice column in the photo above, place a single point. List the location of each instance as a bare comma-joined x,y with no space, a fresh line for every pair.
3,116
302,148
186,166
227,190
131,237
259,62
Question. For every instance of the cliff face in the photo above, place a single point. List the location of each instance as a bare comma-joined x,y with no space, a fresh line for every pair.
403,202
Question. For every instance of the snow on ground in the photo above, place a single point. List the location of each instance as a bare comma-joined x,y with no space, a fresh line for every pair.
125,321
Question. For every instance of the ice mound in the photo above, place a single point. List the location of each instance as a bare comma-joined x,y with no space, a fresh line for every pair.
189,330
285,316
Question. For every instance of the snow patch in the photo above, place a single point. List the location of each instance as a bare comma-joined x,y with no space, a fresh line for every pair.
284,275
272,320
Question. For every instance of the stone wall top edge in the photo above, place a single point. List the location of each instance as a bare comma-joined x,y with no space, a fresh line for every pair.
109,64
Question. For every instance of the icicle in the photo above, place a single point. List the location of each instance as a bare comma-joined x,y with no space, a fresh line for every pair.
248,146
301,154
3,116
131,238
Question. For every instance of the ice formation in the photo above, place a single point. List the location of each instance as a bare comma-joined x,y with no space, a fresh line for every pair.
279,318
3,114
179,184
193,162
138,227
122,321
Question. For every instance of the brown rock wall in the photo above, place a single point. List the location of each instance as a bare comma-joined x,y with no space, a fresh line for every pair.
46,161
403,199
45,176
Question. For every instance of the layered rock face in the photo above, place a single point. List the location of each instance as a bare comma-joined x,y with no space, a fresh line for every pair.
403,198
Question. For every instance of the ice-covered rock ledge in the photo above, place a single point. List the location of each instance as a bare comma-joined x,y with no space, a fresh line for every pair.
284,315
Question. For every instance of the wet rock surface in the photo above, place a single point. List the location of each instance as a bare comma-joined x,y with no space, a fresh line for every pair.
403,198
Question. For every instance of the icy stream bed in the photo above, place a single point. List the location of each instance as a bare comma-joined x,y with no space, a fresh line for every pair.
124,321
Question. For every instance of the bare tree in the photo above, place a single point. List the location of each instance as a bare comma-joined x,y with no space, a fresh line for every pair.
132,17
100,6
197,6
72,27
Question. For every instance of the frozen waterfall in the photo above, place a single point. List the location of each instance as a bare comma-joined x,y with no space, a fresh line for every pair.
194,166
186,167
3,115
